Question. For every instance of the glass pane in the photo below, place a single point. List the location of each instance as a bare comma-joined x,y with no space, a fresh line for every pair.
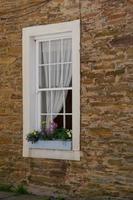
58,120
67,50
47,120
67,75
56,76
46,102
43,119
55,55
69,122
43,76
68,101
57,101
44,52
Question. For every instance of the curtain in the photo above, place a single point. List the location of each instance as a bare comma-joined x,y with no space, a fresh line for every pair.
60,71
44,79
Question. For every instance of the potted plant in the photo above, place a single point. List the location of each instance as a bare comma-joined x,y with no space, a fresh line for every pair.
51,137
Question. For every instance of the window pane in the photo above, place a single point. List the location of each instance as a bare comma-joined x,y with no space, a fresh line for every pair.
43,119
67,75
69,122
56,75
46,119
44,77
55,55
68,101
58,120
46,102
57,101
44,52
67,50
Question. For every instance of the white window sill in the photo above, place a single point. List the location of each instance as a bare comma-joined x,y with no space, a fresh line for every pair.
37,151
54,154
55,149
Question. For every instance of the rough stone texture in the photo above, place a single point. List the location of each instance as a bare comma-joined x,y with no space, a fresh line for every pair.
14,196
106,166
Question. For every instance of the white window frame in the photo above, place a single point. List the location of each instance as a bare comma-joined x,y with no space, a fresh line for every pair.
30,34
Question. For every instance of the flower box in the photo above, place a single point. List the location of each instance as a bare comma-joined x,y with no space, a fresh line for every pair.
52,144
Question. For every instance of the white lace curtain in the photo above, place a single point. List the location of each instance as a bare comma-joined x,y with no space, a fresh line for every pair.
57,73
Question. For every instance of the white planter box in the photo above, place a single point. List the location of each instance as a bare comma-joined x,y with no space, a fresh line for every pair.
52,144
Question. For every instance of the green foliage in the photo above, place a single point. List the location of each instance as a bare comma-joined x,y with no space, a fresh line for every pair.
52,198
62,134
20,189
6,187
60,198
55,134
33,136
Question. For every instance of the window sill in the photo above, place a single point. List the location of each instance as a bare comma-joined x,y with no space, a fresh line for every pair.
54,154
29,150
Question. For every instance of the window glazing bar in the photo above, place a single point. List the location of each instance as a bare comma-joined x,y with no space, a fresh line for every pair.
52,89
56,113
58,63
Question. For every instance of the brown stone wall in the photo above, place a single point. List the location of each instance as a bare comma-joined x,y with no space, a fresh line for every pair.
106,165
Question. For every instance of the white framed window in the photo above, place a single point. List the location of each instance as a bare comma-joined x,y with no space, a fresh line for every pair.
51,85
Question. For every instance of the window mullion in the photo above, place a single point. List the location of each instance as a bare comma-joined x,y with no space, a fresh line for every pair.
64,124
62,63
49,67
38,99
64,110
50,79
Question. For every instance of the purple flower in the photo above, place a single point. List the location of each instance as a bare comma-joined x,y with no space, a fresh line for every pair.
51,128
53,125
